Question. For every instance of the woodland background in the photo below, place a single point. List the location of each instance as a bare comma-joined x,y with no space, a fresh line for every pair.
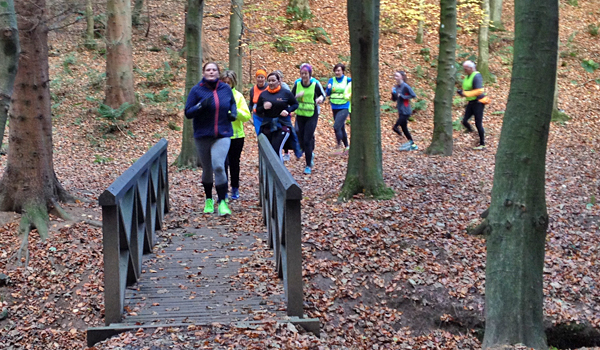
400,273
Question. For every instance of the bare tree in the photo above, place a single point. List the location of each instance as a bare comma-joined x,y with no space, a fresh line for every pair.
365,173
441,142
119,55
518,217
193,37
9,59
29,184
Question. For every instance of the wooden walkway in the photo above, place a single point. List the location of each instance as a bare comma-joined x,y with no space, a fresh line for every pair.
194,278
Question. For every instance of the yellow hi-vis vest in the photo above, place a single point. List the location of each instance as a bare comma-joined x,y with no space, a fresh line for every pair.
468,85
337,91
306,103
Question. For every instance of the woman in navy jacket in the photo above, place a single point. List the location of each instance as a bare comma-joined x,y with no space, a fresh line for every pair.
212,107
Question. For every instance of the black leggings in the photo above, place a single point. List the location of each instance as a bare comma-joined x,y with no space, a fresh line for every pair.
306,135
339,125
232,165
403,123
277,138
475,108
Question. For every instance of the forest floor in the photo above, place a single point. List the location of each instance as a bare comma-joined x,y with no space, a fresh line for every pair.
394,274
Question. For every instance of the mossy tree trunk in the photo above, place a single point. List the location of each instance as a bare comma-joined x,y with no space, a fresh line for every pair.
119,55
496,14
483,57
299,9
138,6
9,59
236,22
365,173
90,41
518,217
193,37
29,184
441,142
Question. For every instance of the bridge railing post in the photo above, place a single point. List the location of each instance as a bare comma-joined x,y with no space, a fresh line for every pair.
280,198
133,208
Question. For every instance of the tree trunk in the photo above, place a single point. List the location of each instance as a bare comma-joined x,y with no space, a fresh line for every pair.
364,172
518,217
483,59
90,41
235,40
441,142
496,14
29,184
9,59
420,23
193,36
299,9
119,54
138,5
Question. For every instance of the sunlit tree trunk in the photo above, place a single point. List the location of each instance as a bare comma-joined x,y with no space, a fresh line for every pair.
518,218
119,54
420,24
235,39
364,174
29,184
193,36
496,14
483,59
9,59
441,142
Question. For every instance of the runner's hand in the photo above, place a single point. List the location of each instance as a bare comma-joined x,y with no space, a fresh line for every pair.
267,105
284,113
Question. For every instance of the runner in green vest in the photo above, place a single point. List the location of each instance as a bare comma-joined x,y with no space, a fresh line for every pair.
472,90
309,95
339,104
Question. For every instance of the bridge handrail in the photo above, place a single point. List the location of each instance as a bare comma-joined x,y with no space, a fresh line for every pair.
133,208
280,198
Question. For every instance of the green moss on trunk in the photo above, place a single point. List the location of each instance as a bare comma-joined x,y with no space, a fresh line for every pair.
518,217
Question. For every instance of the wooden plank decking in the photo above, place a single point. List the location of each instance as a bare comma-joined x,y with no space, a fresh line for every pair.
194,279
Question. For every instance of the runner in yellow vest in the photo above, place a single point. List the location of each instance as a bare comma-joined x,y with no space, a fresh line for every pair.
232,164
309,95
472,90
339,104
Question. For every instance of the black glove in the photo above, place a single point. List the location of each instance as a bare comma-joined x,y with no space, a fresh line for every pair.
460,92
205,102
231,116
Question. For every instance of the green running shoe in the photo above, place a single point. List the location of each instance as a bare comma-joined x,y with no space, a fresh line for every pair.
209,206
224,209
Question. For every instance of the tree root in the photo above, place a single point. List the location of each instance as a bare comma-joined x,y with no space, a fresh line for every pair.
59,211
35,216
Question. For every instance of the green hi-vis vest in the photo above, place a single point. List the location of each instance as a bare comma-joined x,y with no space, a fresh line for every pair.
337,91
306,103
468,85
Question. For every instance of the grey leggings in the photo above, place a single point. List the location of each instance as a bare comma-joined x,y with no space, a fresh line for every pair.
212,153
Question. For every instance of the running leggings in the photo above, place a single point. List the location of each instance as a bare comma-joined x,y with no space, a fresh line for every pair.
232,166
403,123
306,135
339,125
475,108
212,153
277,138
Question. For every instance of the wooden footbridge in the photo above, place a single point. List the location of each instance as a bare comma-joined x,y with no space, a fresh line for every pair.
193,277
